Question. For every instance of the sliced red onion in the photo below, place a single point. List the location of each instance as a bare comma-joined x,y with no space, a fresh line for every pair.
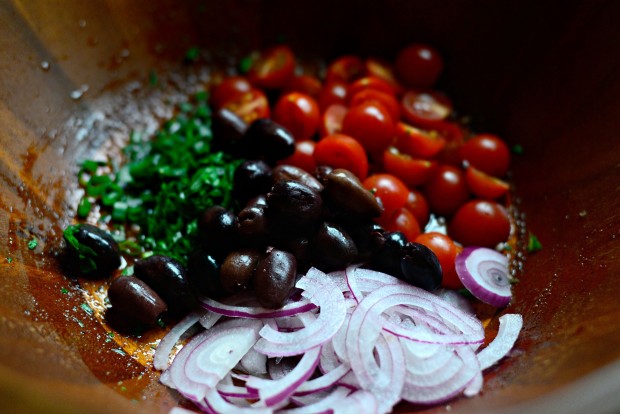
217,404
165,346
455,299
484,272
254,362
323,382
357,402
209,319
179,410
509,327
290,309
323,405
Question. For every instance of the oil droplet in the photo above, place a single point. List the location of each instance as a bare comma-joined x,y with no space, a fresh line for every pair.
45,65
82,23
78,93
583,213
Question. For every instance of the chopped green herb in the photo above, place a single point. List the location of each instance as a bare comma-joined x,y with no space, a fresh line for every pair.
517,149
9,260
84,208
64,291
111,334
33,243
87,308
192,54
533,244
160,323
91,166
153,81
119,351
128,271
86,255
245,64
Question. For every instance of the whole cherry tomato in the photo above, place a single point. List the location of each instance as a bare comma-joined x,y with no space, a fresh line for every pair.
310,85
273,69
417,142
303,157
345,69
412,171
299,113
249,106
229,89
334,92
484,185
392,192
488,153
387,100
480,223
404,221
332,119
446,251
342,151
447,190
419,66
417,204
371,124
425,109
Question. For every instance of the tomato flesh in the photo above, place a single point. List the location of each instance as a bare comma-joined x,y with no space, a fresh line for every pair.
426,109
273,69
412,171
484,185
299,113
342,151
332,119
372,95
229,89
417,204
345,69
404,221
249,106
418,143
488,153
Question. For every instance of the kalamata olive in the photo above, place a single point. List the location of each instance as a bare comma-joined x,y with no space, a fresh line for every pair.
91,251
420,267
275,277
203,271
135,298
388,259
345,190
218,229
259,200
296,207
369,237
237,272
252,177
321,172
300,248
253,225
333,248
123,323
228,130
269,140
292,173
169,279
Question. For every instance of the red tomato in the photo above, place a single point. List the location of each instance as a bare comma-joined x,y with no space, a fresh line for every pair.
273,69
447,190
303,157
332,119
392,192
299,113
484,185
342,151
412,171
404,221
229,89
446,251
383,70
425,109
369,82
333,93
249,106
416,203
310,85
419,66
455,139
480,223
345,69
488,153
371,124
418,143
387,100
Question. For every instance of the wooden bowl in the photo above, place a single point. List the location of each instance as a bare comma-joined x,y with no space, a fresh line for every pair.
541,74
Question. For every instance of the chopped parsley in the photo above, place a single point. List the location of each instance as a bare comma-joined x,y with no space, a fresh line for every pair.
86,255
87,308
64,291
9,260
533,244
192,54
33,243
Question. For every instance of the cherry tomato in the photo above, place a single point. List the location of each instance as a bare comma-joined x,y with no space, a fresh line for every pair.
371,124
342,151
345,69
387,100
334,92
412,171
370,82
484,185
419,66
488,153
229,89
480,223
303,157
404,221
299,113
273,69
332,119
310,85
447,190
392,192
417,204
417,142
382,70
455,138
446,251
249,106
425,109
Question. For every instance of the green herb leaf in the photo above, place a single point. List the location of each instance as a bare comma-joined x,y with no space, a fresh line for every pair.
153,81
84,208
64,291
87,308
245,64
533,244
9,260
33,243
192,54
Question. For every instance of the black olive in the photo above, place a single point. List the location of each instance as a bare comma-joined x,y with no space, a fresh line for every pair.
420,267
333,248
292,173
237,272
218,229
270,140
228,130
300,248
90,251
388,259
253,225
134,298
169,279
321,172
252,178
203,271
259,200
295,207
275,277
345,190
123,323
369,237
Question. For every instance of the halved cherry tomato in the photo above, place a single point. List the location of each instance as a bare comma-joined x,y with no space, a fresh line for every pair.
249,106
379,68
386,99
480,223
370,82
419,66
417,142
342,151
334,92
412,171
426,109
404,221
392,192
447,190
310,85
446,251
303,157
345,69
273,69
371,124
299,113
332,119
488,153
484,185
455,138
228,89
416,203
